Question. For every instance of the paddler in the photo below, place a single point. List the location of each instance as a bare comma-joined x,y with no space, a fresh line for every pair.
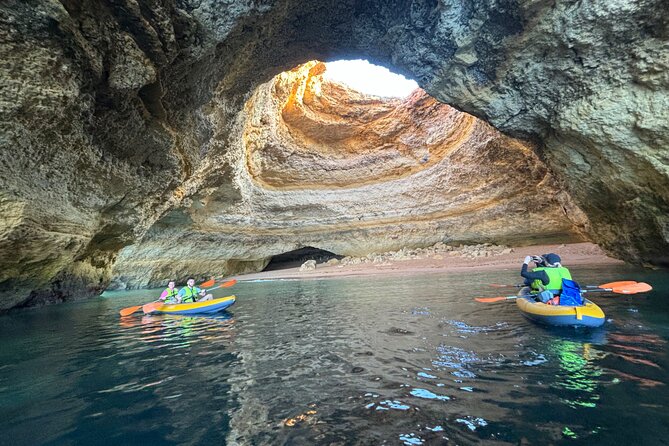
191,293
545,280
169,296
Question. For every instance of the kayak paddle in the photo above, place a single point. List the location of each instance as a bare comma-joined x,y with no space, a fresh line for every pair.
495,299
622,283
619,284
634,288
129,310
153,306
637,287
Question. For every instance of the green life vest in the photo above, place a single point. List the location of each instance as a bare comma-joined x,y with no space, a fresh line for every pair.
170,297
555,276
190,294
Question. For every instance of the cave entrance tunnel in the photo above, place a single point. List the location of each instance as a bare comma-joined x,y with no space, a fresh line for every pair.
296,257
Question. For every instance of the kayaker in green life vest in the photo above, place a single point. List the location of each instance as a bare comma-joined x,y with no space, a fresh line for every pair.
545,280
169,296
191,293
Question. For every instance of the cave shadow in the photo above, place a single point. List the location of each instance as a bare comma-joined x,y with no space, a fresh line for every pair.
295,258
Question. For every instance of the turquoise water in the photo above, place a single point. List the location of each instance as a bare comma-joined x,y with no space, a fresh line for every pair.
392,360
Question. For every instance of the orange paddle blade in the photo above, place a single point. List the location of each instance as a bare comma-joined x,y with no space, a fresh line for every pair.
639,287
148,308
207,284
229,283
494,299
622,283
128,311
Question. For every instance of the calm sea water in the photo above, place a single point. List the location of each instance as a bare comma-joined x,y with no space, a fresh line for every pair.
394,360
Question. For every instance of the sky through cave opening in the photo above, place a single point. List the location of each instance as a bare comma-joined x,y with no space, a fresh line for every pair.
369,79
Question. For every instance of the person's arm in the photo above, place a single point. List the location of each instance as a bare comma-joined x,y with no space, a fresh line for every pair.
180,295
163,296
531,276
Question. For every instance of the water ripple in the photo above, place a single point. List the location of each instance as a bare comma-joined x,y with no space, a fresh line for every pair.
351,361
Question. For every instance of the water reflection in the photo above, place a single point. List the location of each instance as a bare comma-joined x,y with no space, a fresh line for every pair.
578,372
410,360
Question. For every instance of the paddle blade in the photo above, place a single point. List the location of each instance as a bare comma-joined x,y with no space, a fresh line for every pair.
229,283
207,284
493,299
639,287
622,283
128,311
150,307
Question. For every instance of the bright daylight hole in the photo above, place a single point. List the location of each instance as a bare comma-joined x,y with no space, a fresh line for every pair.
369,79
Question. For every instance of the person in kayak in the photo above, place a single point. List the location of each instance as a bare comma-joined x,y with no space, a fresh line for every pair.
169,296
191,293
545,280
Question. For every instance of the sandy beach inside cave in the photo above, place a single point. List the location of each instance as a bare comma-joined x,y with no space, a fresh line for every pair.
572,254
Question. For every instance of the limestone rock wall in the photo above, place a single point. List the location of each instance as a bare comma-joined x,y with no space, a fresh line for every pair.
317,164
107,116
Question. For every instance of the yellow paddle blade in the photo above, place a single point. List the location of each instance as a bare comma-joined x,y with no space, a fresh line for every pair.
128,311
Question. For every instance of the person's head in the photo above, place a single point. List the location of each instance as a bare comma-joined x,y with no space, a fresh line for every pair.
171,284
190,282
552,260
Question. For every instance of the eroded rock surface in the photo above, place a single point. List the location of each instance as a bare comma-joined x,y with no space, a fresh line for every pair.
317,164
114,113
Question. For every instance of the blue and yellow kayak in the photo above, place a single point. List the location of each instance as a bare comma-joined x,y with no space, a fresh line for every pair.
586,315
206,307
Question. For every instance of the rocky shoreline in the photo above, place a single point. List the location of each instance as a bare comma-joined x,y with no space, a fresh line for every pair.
437,258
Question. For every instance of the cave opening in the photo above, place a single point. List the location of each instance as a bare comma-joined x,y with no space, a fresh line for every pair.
296,257
321,159
369,79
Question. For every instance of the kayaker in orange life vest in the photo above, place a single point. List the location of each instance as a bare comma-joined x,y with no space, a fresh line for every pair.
190,293
545,280
169,296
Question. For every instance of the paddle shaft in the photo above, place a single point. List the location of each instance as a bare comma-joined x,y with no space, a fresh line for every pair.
637,287
609,285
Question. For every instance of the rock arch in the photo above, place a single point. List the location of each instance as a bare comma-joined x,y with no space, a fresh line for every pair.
107,118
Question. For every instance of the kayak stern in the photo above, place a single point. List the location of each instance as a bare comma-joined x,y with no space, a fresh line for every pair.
587,315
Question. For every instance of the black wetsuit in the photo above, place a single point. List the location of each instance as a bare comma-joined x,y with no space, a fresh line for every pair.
531,276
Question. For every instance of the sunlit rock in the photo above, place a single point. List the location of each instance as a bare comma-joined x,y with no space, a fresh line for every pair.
118,115
317,164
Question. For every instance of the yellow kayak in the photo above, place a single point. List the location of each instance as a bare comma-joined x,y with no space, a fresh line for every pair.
587,315
206,307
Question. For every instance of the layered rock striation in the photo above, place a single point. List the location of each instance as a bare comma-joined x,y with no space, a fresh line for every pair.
115,115
318,164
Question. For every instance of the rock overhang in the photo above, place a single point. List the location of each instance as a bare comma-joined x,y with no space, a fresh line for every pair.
586,82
